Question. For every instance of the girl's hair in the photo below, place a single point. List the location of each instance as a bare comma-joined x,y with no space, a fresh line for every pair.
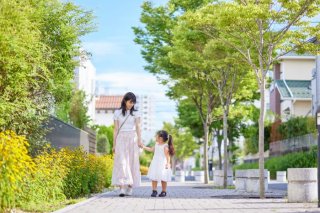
166,137
128,97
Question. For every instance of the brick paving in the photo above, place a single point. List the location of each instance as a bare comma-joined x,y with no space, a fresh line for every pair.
189,197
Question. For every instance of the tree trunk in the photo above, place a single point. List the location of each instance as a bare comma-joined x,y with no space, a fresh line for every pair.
261,138
205,153
219,150
225,147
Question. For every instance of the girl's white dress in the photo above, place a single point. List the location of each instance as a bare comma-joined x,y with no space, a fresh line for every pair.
157,170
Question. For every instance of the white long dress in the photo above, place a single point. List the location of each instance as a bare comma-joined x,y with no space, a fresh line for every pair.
157,170
126,167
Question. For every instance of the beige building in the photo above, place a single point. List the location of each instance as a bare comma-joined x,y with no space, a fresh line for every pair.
290,92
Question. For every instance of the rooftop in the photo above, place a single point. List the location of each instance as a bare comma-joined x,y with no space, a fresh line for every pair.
294,89
108,102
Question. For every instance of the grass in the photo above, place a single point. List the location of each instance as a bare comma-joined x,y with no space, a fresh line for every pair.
221,187
49,207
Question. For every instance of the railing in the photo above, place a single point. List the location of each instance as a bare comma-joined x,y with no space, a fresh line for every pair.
301,143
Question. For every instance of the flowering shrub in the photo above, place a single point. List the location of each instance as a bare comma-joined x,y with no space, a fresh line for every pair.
15,164
51,177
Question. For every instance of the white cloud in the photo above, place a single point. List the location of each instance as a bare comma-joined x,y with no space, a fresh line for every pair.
103,48
132,81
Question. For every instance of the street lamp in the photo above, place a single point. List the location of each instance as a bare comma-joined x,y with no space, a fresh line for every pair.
318,127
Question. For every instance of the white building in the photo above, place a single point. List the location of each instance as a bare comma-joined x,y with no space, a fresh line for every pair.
105,107
85,76
107,104
290,93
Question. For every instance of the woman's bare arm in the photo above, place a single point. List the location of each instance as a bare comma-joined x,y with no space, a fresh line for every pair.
115,132
138,129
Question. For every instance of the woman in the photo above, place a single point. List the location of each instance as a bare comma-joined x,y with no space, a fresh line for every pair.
126,167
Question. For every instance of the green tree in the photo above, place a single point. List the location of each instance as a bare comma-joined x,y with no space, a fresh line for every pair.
36,49
261,32
197,52
105,130
189,117
156,41
24,101
62,24
182,141
103,145
79,108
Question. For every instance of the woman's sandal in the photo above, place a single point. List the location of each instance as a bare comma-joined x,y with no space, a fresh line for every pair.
162,194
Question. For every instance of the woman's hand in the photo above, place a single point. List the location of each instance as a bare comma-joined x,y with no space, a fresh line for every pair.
168,166
141,145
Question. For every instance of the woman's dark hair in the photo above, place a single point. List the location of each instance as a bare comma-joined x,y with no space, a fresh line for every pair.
166,137
128,97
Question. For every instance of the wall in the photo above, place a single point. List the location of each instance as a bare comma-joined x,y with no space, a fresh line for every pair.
103,118
61,134
302,108
297,69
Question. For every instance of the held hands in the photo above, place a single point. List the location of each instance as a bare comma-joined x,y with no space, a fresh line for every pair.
140,144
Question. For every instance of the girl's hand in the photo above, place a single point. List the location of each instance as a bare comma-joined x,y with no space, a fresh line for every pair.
141,145
167,165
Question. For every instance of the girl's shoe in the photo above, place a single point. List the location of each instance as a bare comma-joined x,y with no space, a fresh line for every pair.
154,193
163,194
122,192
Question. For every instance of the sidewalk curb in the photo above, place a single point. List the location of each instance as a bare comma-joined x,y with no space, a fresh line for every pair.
74,206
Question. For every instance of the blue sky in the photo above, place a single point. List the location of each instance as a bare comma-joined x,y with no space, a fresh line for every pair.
117,58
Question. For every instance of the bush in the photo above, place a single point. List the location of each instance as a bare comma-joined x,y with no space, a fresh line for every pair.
46,183
100,168
282,163
103,145
297,126
144,170
87,173
145,158
51,177
197,169
15,164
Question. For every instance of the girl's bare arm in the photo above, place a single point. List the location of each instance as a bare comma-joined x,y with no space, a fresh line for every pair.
150,149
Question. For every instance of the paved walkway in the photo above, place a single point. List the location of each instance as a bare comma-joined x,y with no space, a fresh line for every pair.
190,197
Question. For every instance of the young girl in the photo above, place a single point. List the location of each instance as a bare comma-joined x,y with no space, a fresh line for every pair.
159,169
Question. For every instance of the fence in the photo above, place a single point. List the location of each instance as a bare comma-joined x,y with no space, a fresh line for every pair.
301,143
